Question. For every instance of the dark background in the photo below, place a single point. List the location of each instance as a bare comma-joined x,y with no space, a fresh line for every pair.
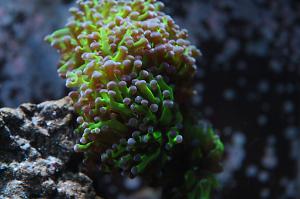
247,83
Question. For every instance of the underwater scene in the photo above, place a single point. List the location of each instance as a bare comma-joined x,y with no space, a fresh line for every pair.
150,99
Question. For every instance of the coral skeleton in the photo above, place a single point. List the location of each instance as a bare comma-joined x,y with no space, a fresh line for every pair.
131,69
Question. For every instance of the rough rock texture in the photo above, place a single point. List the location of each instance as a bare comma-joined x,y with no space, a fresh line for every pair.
36,153
248,87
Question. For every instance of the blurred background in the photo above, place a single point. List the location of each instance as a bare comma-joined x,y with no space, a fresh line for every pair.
247,83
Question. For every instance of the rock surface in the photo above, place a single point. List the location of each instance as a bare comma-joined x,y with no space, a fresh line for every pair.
36,153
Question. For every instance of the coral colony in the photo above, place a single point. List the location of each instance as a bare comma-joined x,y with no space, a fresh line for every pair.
132,69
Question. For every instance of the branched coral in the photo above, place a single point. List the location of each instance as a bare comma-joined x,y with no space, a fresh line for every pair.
132,66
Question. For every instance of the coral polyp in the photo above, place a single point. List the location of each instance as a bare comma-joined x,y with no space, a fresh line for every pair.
118,38
126,58
131,67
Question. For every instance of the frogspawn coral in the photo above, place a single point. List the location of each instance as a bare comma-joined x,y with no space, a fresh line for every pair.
131,67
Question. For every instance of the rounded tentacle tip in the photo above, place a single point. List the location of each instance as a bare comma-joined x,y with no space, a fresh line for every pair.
128,64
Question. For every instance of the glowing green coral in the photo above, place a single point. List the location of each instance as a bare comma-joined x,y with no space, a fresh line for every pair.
130,64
